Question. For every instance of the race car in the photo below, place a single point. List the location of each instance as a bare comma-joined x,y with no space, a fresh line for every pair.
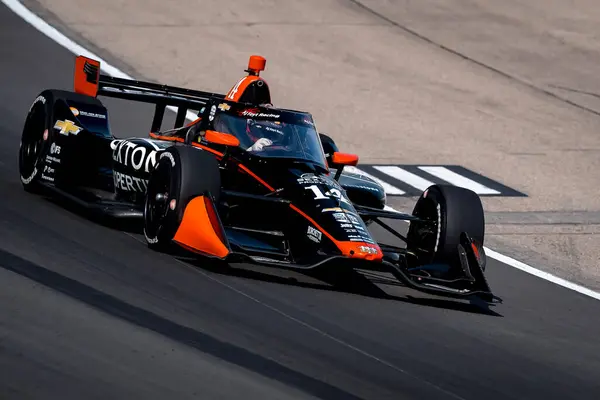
244,181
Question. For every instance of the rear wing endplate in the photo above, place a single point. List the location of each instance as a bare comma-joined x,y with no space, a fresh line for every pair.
90,82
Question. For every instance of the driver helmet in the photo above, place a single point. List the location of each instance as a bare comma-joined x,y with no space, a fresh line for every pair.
265,129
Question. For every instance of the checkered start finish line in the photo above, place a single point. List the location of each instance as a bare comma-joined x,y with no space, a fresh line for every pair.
412,180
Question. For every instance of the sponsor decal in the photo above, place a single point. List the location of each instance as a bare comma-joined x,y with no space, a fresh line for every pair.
311,179
45,135
48,173
47,178
54,148
340,217
368,249
51,159
74,111
129,183
224,107
269,129
346,225
39,99
133,155
213,110
67,127
255,113
353,219
91,115
314,234
168,155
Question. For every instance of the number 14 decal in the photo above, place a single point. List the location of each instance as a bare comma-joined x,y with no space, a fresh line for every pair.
319,195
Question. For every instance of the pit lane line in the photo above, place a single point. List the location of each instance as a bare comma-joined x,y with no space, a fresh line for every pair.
38,23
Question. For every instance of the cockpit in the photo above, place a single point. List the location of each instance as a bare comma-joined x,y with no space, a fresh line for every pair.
267,132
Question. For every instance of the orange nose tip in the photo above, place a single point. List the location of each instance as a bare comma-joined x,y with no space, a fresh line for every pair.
257,63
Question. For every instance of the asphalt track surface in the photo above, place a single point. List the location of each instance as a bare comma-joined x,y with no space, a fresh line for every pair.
87,311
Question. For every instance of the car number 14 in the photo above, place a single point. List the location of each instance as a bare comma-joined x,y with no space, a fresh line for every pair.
319,195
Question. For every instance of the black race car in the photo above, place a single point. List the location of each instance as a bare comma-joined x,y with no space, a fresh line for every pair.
244,182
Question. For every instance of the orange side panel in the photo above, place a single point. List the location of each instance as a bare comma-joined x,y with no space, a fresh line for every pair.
238,89
87,73
196,231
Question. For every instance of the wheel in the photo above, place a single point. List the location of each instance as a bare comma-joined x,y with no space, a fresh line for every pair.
449,210
39,134
34,141
182,173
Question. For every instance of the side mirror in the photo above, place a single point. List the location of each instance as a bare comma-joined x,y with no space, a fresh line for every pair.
224,139
340,160
344,159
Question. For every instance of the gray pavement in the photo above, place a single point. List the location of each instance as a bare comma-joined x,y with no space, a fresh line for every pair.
90,312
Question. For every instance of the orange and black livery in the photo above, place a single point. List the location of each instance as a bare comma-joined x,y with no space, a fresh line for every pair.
239,179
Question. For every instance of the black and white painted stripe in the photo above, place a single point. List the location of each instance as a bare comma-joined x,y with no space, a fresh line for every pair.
412,180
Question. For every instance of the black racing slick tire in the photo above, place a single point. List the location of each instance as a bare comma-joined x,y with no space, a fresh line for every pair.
181,174
35,138
450,210
38,136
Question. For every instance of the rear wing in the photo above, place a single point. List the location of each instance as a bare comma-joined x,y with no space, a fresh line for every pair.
89,81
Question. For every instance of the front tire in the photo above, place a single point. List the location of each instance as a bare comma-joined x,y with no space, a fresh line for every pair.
450,210
182,173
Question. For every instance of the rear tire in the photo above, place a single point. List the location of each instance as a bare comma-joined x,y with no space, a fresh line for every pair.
452,210
182,173
35,138
39,134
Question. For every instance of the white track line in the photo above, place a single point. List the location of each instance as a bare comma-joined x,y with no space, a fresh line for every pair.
541,274
70,45
458,180
404,176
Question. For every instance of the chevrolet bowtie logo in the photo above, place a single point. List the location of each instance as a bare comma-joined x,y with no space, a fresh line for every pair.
66,127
